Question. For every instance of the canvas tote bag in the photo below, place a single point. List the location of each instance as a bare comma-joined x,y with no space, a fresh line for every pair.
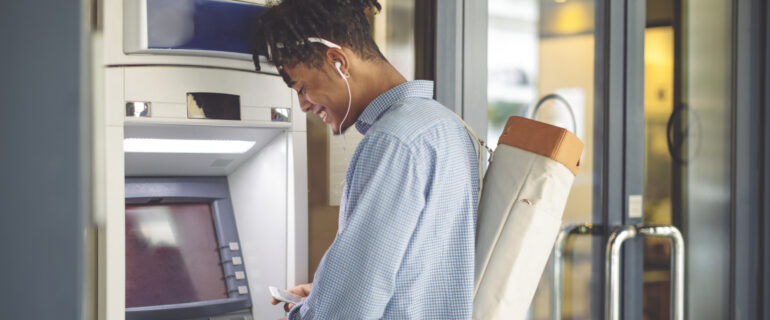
523,196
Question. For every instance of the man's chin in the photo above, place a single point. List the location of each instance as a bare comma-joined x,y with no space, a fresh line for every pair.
338,132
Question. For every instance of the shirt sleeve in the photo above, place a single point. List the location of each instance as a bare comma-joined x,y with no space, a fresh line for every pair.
357,275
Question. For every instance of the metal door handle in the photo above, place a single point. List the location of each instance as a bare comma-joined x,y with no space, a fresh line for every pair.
612,281
559,98
558,263
612,265
677,264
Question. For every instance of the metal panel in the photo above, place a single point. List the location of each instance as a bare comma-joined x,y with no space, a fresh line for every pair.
746,183
474,64
449,54
171,84
634,103
461,59
633,254
765,206
113,17
602,53
614,113
259,193
44,138
297,209
605,23
765,213
608,119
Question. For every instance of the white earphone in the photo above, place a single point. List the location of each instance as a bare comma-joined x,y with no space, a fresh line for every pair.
338,65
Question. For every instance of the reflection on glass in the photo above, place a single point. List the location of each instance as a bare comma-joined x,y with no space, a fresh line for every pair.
537,48
280,114
172,255
394,34
208,105
687,143
658,107
707,86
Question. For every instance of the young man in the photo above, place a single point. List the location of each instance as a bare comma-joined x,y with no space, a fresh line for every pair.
405,243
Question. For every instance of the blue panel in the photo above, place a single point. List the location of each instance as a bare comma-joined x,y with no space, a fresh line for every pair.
44,160
210,25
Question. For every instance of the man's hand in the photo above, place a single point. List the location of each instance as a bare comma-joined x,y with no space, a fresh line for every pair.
302,290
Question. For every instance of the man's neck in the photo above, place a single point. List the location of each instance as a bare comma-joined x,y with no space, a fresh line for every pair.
375,81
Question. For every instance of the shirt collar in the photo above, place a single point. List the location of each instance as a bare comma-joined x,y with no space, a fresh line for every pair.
381,104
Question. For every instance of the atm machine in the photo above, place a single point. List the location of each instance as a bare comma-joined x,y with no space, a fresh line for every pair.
200,165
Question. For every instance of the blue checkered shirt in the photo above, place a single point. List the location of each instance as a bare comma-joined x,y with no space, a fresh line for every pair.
405,243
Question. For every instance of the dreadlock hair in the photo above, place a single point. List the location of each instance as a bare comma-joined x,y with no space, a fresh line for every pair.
283,30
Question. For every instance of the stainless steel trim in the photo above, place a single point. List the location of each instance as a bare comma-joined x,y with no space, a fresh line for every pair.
280,114
612,270
138,109
677,265
558,264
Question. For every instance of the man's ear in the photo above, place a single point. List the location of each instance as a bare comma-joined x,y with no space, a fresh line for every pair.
336,56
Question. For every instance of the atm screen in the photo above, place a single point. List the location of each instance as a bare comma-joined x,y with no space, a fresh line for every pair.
172,255
213,25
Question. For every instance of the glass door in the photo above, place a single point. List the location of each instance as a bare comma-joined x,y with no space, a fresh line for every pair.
647,230
543,52
678,104
688,57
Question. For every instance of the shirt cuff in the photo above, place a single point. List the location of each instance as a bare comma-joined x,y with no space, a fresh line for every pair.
295,313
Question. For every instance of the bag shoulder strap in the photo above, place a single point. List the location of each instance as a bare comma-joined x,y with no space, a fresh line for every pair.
481,147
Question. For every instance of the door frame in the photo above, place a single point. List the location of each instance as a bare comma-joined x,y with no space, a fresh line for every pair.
749,161
461,59
765,206
620,102
607,193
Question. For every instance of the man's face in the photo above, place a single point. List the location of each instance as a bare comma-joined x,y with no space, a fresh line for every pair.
322,92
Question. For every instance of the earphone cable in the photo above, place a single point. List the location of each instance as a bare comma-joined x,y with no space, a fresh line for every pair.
344,139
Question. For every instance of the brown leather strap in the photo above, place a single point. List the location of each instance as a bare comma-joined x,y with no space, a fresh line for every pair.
543,139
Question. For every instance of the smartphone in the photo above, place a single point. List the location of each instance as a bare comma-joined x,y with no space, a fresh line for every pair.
283,295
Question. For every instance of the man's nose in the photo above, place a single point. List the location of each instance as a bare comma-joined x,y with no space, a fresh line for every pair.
304,104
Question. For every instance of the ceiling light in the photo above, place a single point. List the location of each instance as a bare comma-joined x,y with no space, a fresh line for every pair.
186,146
